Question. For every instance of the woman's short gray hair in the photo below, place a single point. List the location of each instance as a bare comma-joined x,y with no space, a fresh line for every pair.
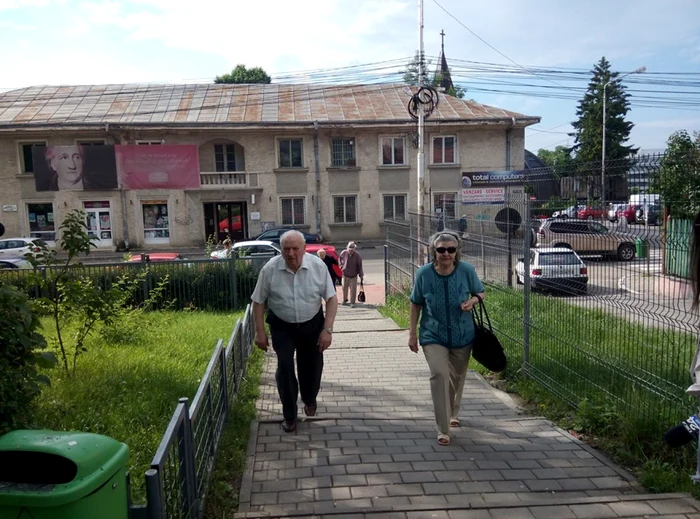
292,233
445,236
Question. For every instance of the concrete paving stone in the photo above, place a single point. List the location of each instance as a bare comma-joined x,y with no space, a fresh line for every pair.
315,482
391,478
295,496
452,475
486,475
427,514
592,511
631,508
405,490
543,485
418,477
552,512
609,482
502,498
509,486
279,486
470,514
332,493
310,462
371,492
493,464
350,480
512,513
363,468
475,487
671,506
524,464
439,502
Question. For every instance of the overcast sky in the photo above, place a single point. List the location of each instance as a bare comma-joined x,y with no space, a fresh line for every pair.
90,42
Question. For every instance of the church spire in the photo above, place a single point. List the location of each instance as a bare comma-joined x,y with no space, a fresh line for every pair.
442,70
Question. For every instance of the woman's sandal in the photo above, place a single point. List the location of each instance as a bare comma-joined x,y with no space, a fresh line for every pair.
454,422
443,439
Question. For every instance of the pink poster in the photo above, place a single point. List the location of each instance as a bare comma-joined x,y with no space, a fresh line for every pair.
158,167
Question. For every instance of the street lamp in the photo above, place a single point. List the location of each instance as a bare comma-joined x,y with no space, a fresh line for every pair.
640,70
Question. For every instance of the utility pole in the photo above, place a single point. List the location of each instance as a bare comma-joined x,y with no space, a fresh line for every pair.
421,135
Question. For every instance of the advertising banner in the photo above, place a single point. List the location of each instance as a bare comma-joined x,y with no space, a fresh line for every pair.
158,167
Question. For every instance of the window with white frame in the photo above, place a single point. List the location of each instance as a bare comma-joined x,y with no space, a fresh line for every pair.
445,204
225,157
393,149
394,207
343,152
293,211
345,209
444,150
25,156
290,153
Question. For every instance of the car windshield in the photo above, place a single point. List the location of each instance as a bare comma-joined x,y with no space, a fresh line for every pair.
559,258
597,227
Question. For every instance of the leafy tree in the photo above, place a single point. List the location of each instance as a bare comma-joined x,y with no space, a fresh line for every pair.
243,75
411,77
21,353
75,303
678,181
559,160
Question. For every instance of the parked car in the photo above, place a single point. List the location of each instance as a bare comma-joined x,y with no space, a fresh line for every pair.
653,215
590,213
586,237
157,256
18,247
629,212
254,248
14,263
612,211
554,268
569,212
274,235
313,248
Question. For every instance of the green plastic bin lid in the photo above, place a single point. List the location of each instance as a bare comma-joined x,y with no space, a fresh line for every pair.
50,468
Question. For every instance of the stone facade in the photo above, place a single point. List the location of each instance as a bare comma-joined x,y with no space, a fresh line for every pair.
263,183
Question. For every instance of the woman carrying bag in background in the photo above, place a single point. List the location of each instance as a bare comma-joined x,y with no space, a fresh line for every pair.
444,293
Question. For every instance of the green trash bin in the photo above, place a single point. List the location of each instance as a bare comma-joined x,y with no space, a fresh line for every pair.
641,246
62,475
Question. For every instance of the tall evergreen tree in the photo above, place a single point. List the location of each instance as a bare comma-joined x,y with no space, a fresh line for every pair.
588,128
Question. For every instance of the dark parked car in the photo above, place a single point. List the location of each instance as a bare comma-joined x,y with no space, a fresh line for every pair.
653,216
274,235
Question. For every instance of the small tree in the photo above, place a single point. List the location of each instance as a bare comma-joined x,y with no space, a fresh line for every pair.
411,77
74,303
21,353
678,181
559,160
243,75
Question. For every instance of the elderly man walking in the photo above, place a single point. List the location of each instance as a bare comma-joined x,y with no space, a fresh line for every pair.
351,266
294,285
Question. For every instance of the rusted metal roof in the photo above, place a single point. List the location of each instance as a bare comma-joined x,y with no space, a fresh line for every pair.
217,104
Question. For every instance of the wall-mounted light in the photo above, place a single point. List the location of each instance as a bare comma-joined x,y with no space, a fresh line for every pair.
312,198
252,199
177,200
65,204
270,199
131,202
369,195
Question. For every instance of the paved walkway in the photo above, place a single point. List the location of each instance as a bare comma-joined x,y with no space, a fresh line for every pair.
371,451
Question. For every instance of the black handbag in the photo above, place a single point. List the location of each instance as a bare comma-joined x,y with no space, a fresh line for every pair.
486,349
361,296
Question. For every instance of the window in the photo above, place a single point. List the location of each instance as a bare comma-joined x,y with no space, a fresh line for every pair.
149,143
443,150
343,152
26,160
290,153
393,151
91,143
225,157
156,226
41,221
345,209
394,207
293,211
445,204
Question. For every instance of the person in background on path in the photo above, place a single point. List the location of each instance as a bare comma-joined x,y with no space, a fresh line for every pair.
329,261
351,267
444,294
294,285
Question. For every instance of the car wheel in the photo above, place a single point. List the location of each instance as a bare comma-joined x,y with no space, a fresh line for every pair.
519,280
563,245
625,252
589,217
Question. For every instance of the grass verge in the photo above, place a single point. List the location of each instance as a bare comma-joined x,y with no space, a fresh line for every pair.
612,382
128,391
222,500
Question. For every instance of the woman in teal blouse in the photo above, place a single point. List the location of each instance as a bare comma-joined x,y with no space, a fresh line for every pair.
443,296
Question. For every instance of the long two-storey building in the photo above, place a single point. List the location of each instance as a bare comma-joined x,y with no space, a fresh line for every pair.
332,160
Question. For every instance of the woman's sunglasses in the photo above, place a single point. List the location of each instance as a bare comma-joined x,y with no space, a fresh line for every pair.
443,250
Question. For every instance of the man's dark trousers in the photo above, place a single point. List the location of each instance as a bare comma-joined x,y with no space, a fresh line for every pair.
302,338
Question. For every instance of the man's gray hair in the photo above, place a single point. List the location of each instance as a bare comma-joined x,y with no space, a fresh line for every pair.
445,236
292,234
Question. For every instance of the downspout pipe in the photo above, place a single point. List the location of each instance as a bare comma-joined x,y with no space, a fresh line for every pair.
509,131
122,194
317,168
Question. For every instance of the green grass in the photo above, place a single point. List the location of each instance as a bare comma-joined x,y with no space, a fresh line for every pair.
128,391
222,500
616,383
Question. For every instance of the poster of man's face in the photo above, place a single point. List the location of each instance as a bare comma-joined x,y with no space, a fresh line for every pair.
74,168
